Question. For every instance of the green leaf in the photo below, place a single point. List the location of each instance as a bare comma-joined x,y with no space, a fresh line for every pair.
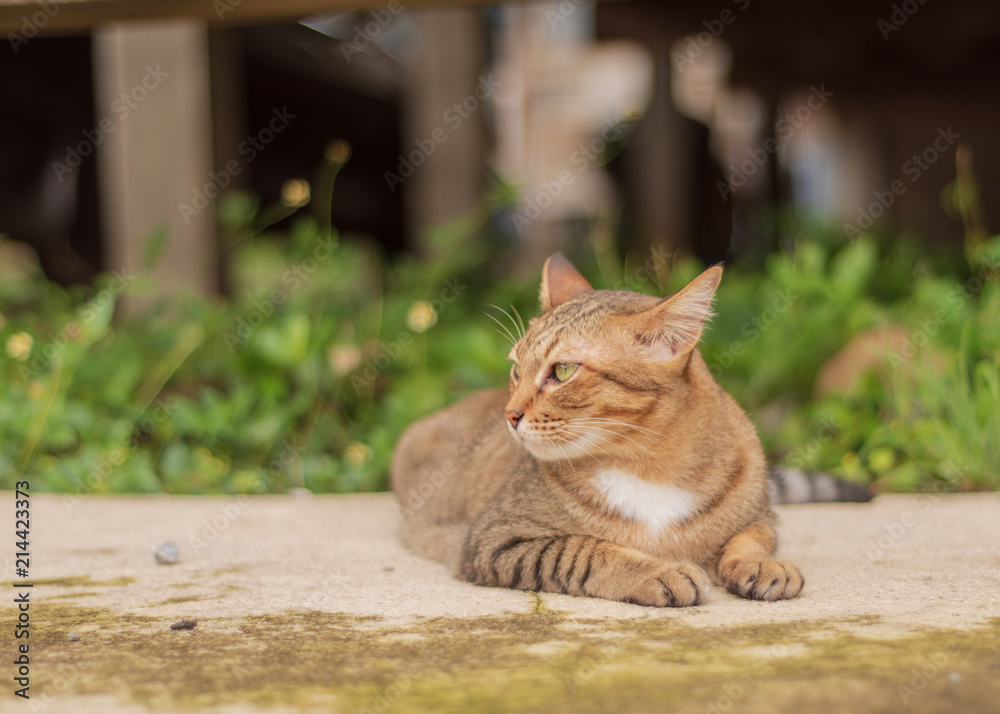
287,344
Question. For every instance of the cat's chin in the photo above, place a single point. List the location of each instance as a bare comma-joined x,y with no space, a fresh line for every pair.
545,450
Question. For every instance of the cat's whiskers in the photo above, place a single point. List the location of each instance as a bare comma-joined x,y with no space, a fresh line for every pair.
596,423
611,431
518,328
608,420
562,451
616,422
560,447
586,438
520,322
507,334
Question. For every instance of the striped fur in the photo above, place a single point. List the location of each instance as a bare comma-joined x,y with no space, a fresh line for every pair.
632,476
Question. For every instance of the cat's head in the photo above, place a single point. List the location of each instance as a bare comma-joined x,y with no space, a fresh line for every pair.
595,368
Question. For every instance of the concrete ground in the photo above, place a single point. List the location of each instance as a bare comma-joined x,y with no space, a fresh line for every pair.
309,603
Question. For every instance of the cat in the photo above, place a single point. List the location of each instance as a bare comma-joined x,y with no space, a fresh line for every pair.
613,467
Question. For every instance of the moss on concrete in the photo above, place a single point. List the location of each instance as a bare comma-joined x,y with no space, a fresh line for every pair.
515,663
74,581
178,600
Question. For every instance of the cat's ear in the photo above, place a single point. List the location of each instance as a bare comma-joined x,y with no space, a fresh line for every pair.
674,326
560,282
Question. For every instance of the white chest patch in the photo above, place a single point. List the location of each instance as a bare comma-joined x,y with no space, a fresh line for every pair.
655,505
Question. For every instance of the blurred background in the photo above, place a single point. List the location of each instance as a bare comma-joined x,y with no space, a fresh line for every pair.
244,243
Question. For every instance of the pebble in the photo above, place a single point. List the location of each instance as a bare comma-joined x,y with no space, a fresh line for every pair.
167,552
184,625
73,636
388,568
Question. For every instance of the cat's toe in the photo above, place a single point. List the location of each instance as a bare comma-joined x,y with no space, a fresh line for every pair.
681,585
763,579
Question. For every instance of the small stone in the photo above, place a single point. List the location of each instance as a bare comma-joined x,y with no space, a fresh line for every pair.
955,677
184,625
388,568
73,636
167,552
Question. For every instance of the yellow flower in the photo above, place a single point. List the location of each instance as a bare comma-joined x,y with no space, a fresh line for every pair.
343,359
338,151
19,346
36,389
357,454
421,316
295,192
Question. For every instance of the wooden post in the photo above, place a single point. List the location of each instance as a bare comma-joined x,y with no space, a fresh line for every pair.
659,165
444,72
153,106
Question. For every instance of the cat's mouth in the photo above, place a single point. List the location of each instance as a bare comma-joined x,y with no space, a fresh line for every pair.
552,444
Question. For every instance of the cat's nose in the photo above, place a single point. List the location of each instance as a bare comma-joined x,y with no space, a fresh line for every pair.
514,418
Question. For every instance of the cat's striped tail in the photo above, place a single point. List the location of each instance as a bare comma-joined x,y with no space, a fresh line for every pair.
788,485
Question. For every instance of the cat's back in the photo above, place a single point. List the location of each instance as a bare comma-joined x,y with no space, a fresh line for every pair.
449,464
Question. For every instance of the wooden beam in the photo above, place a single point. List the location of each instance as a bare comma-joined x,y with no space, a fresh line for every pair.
30,18
152,93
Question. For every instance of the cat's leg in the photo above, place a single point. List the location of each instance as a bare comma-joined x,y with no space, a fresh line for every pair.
747,566
581,565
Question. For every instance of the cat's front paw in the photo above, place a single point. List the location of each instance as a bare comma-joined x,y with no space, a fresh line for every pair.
675,585
761,578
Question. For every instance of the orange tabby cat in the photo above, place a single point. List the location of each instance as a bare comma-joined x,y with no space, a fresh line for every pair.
614,467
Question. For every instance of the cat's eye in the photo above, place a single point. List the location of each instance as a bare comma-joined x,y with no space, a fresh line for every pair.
563,372
515,373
